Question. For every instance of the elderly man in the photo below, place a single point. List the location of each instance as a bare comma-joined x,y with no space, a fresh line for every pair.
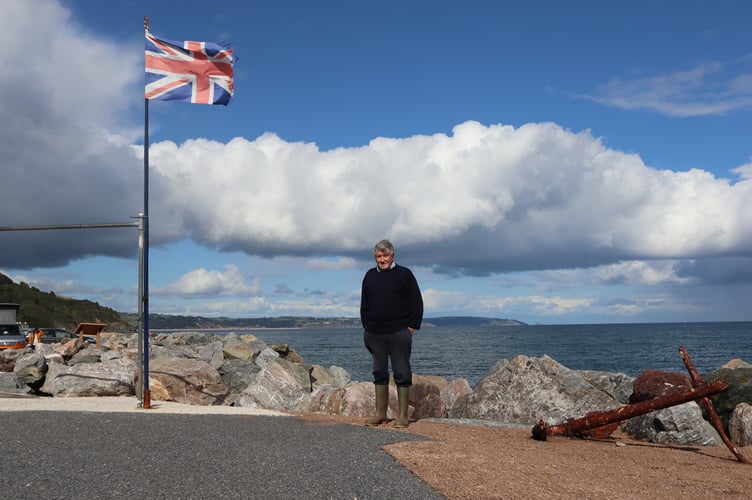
391,309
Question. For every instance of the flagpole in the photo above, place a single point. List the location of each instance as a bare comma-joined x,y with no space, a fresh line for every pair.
146,395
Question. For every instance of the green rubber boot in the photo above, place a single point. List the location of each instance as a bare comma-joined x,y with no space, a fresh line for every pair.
382,402
403,396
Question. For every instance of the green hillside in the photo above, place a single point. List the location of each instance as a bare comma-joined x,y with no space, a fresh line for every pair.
46,309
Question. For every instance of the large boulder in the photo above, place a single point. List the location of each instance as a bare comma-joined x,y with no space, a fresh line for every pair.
241,351
8,358
652,384
617,385
736,363
188,381
426,397
237,374
354,399
88,355
186,338
11,384
266,355
285,352
67,349
740,425
455,390
209,352
280,385
357,399
739,390
113,378
526,390
681,424
334,376
31,370
34,359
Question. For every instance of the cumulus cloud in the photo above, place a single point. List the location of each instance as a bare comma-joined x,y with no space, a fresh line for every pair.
205,283
533,197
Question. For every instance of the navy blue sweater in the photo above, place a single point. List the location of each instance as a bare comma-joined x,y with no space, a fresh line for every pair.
390,300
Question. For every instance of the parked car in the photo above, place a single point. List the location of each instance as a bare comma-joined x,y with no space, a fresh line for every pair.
54,335
11,337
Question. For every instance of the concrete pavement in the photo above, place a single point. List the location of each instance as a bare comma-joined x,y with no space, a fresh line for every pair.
99,447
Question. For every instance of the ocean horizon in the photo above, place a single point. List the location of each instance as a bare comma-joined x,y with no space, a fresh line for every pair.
469,352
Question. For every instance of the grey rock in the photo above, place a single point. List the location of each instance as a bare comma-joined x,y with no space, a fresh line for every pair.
240,350
739,391
212,353
526,390
285,352
34,359
237,374
89,355
324,398
187,338
113,378
740,425
356,399
681,424
341,376
301,372
31,376
8,358
454,390
10,383
265,356
275,388
188,381
737,363
616,385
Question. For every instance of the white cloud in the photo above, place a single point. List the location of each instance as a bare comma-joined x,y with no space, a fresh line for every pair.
337,264
533,197
205,283
703,90
744,171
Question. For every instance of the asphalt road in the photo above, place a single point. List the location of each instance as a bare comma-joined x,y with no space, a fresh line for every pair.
88,455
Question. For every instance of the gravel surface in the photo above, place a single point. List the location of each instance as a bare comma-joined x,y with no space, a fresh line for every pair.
482,460
51,454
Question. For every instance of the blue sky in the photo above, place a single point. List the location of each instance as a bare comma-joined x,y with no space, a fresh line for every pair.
544,161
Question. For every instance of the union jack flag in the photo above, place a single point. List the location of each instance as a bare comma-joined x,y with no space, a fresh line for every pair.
195,72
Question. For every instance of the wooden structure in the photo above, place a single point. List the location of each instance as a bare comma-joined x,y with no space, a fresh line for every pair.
90,330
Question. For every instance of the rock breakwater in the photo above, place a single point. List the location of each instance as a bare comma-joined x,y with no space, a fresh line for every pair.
201,368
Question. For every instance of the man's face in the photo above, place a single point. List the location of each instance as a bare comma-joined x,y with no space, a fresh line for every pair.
383,260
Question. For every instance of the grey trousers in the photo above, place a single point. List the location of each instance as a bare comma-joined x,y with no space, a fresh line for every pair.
395,347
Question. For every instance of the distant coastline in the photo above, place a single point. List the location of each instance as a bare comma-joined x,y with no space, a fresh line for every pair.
175,322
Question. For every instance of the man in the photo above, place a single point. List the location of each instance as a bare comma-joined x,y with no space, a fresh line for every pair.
391,309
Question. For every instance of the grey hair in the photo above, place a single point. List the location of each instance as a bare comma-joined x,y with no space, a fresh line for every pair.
384,246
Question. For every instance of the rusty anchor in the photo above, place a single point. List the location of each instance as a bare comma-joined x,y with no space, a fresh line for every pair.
601,424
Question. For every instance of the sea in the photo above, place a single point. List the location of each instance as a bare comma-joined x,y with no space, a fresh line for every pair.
469,352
